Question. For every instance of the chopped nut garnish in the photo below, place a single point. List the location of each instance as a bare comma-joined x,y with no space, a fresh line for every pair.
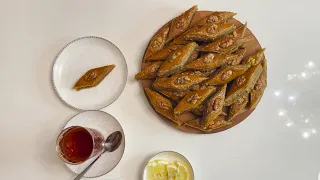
193,99
174,56
179,94
212,29
182,80
235,34
217,104
241,80
90,76
212,19
180,24
258,86
227,44
208,58
226,74
204,86
157,42
163,105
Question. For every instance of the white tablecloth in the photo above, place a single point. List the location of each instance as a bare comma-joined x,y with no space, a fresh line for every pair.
278,141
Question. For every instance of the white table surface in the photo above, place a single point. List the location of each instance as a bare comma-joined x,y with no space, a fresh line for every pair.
280,140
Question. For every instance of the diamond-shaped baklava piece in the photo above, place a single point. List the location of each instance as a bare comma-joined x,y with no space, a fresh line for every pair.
207,33
193,99
257,90
93,77
243,84
177,60
181,23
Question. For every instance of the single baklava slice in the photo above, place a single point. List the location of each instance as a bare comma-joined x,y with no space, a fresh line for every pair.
174,95
93,77
211,61
164,53
193,99
149,72
177,60
181,23
228,43
213,107
227,73
257,91
177,82
243,84
161,105
207,33
255,59
157,42
215,17
238,107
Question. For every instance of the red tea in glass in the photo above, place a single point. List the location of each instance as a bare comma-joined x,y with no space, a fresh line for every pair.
77,144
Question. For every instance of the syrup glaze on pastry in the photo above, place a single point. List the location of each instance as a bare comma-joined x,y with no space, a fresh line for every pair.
93,77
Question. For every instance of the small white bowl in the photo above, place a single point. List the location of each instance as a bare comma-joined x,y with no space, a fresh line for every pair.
170,156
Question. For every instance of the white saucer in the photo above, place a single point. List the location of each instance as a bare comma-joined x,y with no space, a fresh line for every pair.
170,156
78,57
106,124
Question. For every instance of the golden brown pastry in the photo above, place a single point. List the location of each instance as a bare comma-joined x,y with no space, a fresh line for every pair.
164,53
196,124
217,123
257,91
174,95
194,55
215,17
240,53
207,33
177,82
149,72
211,61
213,107
199,73
93,77
161,105
255,59
198,110
227,73
193,100
238,107
228,43
243,84
157,42
177,60
181,23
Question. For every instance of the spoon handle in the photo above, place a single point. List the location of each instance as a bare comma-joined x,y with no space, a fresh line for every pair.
87,168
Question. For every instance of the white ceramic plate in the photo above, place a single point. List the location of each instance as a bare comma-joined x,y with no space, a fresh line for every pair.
106,124
170,156
77,58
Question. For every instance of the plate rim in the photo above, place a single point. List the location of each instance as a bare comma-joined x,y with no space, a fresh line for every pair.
124,141
55,64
